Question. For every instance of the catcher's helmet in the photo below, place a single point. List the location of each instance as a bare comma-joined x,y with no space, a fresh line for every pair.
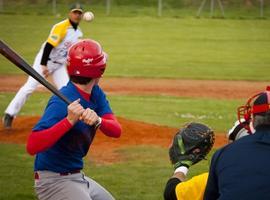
256,105
86,59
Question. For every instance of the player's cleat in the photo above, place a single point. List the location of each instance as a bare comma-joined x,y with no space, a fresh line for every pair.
7,121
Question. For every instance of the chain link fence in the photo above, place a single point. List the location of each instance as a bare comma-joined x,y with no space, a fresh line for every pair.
167,8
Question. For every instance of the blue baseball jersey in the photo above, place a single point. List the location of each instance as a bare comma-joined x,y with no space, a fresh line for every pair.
67,154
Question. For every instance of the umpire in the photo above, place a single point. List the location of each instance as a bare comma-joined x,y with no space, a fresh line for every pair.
241,170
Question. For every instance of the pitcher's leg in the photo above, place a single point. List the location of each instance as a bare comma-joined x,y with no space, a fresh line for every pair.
31,84
60,77
18,101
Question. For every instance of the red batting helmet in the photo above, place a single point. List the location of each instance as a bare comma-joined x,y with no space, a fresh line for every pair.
256,105
86,59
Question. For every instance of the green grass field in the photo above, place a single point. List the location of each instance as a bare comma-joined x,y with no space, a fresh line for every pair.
148,166
142,46
158,47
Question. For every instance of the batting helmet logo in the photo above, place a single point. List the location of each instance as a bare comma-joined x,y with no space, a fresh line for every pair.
88,60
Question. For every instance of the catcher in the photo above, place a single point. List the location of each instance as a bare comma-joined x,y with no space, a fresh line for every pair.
179,189
190,145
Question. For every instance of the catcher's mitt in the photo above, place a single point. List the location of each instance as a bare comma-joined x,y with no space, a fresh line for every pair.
191,144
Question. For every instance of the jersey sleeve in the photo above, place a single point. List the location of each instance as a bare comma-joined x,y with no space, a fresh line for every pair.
169,192
110,126
55,111
103,106
39,141
57,34
192,189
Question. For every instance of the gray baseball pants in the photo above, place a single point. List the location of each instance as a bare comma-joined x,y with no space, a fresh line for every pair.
53,186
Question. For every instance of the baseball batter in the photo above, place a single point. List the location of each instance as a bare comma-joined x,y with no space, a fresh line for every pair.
51,59
64,134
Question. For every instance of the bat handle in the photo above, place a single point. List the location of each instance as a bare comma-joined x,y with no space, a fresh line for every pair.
64,99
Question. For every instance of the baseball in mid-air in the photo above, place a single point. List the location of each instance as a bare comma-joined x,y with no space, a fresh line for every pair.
88,16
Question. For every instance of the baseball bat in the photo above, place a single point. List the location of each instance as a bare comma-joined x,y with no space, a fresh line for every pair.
12,56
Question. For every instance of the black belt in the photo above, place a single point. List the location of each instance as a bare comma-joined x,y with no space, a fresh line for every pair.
36,175
69,173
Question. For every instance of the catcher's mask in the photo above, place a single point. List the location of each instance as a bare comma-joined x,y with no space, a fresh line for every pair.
238,130
257,104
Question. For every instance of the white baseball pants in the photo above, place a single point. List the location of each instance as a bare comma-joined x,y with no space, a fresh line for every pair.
59,75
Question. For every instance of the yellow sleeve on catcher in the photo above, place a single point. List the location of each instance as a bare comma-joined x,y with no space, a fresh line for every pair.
58,32
192,189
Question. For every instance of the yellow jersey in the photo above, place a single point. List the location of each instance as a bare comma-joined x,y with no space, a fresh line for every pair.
61,37
192,189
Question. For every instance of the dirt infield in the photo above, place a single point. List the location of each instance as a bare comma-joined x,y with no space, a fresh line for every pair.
174,87
104,149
